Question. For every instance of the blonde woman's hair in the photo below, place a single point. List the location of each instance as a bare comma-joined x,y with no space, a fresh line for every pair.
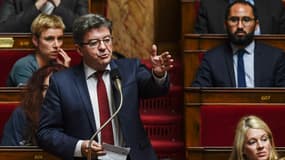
244,124
43,22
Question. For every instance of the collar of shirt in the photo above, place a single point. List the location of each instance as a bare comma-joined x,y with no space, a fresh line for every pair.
249,49
250,1
90,71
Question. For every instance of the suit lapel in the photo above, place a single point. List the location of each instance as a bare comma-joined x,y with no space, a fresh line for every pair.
229,62
257,64
81,85
116,94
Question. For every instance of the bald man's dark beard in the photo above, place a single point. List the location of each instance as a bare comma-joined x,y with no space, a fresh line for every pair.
241,41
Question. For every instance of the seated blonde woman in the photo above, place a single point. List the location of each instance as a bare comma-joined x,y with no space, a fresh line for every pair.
253,140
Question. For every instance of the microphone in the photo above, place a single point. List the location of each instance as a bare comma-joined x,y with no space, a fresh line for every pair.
115,76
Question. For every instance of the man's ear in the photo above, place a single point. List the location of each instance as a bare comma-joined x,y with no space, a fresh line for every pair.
35,41
78,49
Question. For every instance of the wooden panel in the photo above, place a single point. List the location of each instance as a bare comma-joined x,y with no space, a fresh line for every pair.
23,41
167,25
208,96
191,61
208,41
10,94
195,97
25,153
133,26
98,6
189,14
167,21
216,153
192,126
201,153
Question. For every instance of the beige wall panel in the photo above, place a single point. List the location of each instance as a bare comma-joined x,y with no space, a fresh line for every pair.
133,26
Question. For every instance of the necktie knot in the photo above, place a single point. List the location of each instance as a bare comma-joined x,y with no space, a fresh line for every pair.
241,52
99,74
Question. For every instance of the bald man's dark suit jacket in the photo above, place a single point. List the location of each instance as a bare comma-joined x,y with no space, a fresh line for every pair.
17,15
216,69
67,113
271,15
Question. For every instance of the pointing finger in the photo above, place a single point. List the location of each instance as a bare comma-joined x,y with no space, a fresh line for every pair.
154,50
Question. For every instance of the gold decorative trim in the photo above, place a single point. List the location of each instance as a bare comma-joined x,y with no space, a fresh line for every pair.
265,98
6,42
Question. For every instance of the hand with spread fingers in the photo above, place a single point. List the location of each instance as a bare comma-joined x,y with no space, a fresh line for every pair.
160,63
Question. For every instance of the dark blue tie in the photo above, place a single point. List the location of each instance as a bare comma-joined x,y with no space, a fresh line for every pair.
240,68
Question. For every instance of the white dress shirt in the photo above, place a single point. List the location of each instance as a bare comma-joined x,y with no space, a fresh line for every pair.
248,58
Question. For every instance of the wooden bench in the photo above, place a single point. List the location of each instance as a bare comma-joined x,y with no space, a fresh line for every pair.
217,153
25,153
211,114
9,100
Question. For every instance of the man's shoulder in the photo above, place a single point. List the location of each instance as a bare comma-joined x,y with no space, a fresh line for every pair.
69,71
218,50
265,47
127,62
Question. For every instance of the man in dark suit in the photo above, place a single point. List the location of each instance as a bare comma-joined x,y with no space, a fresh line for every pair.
71,111
271,16
258,65
17,15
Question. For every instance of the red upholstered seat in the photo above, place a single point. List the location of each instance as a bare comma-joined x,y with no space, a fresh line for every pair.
166,134
162,117
218,123
5,111
7,59
163,127
169,150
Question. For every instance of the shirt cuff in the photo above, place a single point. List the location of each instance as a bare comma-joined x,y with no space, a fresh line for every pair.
77,151
159,80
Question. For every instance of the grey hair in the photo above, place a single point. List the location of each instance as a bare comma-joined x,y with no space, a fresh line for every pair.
87,22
